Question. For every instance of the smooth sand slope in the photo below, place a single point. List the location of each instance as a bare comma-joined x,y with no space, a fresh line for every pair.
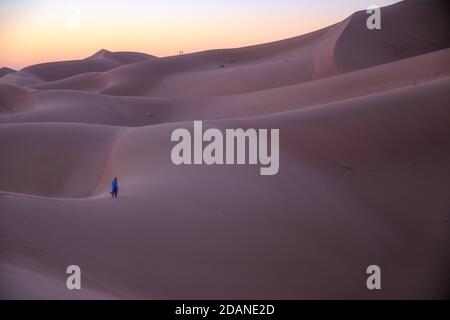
364,169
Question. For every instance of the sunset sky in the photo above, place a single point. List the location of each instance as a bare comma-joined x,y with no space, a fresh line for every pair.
34,31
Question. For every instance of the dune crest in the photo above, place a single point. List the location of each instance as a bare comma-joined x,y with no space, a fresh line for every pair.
5,70
103,60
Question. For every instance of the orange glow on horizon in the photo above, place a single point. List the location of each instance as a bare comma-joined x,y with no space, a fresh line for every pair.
41,32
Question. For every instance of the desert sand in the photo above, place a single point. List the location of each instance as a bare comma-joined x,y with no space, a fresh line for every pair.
364,119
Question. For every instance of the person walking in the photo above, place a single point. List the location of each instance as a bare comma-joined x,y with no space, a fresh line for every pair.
115,188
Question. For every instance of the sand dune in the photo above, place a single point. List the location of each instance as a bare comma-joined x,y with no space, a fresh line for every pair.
217,72
360,221
20,78
138,111
4,71
346,46
53,159
409,28
364,167
103,60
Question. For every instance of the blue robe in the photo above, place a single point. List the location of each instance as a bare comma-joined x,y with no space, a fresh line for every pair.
115,186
